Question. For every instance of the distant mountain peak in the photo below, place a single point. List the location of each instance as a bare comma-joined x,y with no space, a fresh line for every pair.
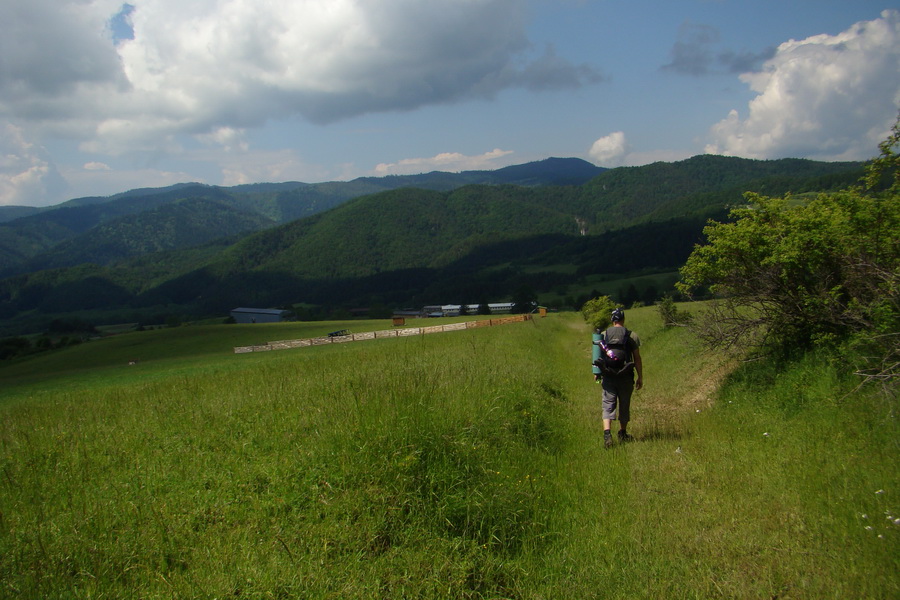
551,171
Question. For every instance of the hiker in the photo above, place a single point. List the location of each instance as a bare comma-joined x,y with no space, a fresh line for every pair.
620,357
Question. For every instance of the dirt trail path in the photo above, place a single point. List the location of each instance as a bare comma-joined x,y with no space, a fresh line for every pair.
680,377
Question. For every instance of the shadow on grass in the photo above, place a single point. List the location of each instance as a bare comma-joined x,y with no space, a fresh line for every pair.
651,434
660,433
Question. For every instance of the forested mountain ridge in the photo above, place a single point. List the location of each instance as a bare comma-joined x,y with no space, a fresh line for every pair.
400,247
550,171
28,237
703,185
170,226
406,228
26,233
412,229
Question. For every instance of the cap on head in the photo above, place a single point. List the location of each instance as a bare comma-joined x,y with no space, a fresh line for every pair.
617,316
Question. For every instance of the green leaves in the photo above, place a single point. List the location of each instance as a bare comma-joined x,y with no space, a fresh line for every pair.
807,272
596,312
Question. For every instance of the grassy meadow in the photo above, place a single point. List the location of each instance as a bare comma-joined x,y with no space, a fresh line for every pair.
467,464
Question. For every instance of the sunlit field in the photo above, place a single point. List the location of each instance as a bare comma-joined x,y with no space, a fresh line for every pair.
465,464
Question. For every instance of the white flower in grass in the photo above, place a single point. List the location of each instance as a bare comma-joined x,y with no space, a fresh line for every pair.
766,434
879,492
868,528
864,516
897,522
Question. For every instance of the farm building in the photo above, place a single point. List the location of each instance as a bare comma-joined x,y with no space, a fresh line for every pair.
259,315
501,307
453,310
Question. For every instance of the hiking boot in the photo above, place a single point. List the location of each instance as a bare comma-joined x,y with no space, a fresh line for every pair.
625,438
607,440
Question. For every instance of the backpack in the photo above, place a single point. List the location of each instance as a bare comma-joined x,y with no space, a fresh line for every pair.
615,354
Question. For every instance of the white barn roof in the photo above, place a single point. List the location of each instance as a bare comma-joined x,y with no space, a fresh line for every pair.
259,311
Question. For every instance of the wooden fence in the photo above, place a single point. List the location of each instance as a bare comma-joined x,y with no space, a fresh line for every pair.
372,335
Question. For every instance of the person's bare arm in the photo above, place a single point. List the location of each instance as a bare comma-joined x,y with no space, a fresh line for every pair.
639,367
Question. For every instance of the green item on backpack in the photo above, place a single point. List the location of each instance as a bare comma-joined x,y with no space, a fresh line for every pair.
596,336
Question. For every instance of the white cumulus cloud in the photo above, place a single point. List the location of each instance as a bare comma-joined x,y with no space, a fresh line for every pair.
124,80
273,165
446,161
825,97
610,150
27,175
228,138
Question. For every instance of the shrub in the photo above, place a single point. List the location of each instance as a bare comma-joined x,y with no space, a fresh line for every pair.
596,311
670,315
805,274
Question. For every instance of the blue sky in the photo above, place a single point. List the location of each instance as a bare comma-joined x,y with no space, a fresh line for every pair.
97,96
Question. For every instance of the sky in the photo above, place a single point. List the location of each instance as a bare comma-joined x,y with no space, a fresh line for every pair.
99,96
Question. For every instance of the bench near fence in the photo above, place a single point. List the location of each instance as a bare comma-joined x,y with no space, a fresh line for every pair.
344,336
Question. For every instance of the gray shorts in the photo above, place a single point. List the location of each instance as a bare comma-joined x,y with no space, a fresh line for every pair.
617,394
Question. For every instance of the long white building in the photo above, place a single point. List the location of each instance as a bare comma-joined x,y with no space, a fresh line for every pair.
453,310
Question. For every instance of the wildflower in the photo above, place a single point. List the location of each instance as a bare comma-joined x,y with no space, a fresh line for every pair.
896,521
766,434
868,528
879,492
864,516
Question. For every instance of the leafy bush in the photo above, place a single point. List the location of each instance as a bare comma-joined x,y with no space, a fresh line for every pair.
670,315
805,274
596,312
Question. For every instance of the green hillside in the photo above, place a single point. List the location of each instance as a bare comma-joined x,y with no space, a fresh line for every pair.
456,465
402,247
405,228
470,463
10,213
704,186
172,226
27,235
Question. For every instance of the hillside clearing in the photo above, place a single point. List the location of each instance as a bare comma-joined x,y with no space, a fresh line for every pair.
466,465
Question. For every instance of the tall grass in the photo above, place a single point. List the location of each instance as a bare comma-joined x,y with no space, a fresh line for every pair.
461,465
407,466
